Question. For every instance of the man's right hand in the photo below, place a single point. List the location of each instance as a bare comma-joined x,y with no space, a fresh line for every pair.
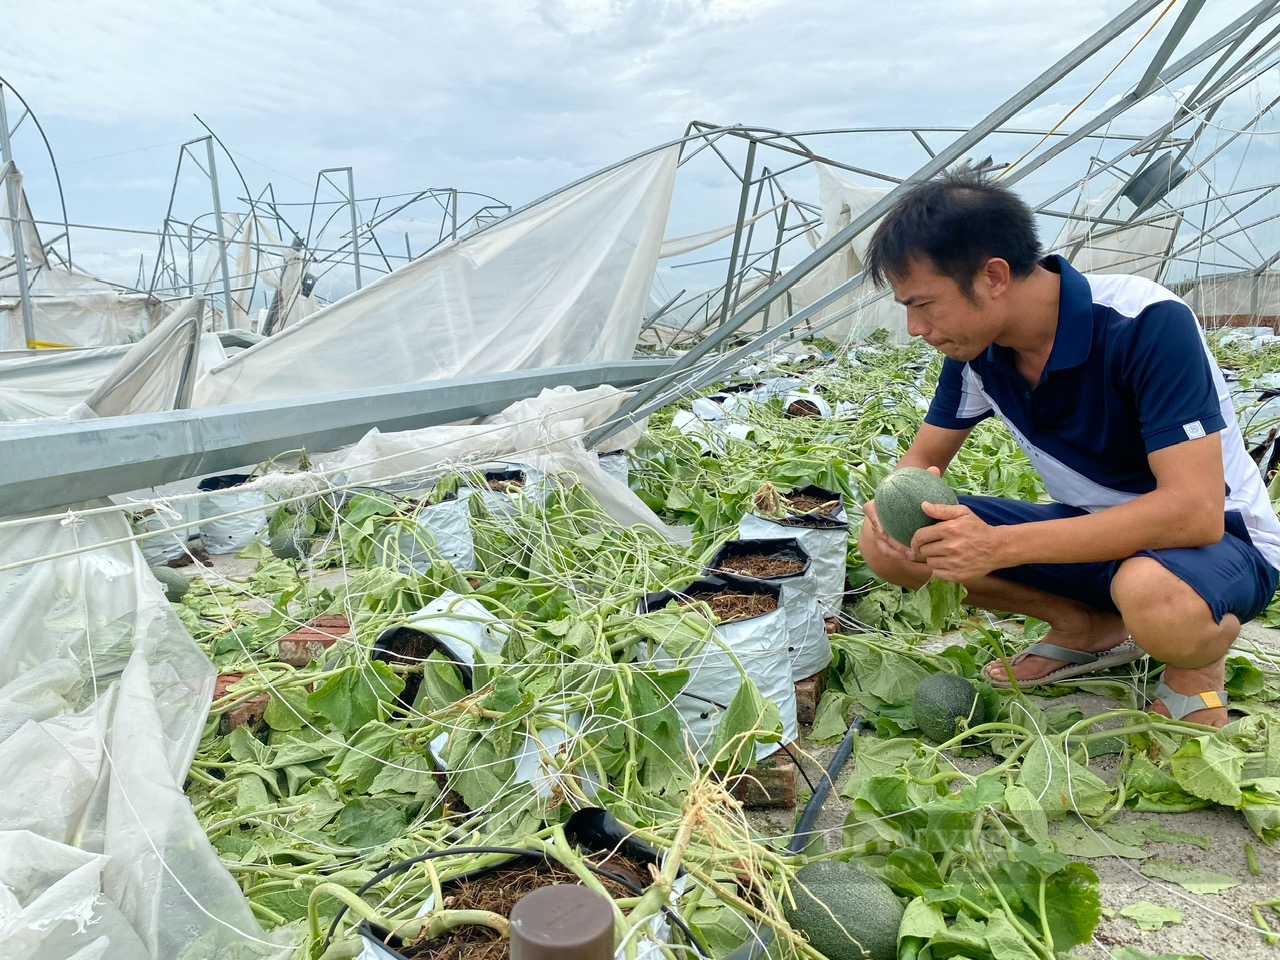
888,546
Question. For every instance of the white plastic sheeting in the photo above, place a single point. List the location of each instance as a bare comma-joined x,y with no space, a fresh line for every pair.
1235,298
49,383
69,308
155,374
842,201
1138,249
562,281
103,698
544,432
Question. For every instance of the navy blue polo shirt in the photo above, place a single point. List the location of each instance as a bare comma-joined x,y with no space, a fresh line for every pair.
1129,373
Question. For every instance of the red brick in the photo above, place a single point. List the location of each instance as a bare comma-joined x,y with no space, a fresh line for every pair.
808,692
310,641
246,713
770,783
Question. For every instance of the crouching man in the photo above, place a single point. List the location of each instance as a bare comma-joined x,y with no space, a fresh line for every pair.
1160,538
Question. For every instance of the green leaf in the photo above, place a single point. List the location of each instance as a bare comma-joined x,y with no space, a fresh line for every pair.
1210,768
679,634
350,699
1244,680
1060,784
410,773
252,793
1149,916
1261,804
288,709
1194,879
828,720
505,695
244,746
1153,789
441,685
370,821
747,720
366,756
1162,834
1080,840
1072,902
881,677
1022,805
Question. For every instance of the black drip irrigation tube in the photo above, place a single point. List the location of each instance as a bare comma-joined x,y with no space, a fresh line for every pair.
759,942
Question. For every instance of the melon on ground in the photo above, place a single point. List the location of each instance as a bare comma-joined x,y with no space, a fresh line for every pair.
843,911
941,701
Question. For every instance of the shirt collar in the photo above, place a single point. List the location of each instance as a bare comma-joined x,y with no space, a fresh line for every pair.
1074,335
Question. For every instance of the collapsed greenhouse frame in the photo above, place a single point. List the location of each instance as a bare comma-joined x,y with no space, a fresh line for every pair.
64,444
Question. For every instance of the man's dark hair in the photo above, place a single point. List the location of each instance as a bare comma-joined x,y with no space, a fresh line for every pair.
958,222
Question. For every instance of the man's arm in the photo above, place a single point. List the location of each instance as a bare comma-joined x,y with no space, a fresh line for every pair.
1185,510
934,446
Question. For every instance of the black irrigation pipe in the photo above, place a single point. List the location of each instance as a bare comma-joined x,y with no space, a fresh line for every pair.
759,943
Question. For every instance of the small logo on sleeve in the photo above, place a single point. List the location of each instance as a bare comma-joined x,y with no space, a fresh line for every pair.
1193,429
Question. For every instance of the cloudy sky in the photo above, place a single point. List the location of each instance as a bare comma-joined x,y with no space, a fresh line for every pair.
506,97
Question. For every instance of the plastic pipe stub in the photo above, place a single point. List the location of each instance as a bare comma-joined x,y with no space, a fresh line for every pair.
564,921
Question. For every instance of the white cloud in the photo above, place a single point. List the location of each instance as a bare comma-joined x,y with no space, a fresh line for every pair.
515,97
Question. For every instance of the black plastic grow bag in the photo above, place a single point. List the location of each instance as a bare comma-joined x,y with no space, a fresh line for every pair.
784,548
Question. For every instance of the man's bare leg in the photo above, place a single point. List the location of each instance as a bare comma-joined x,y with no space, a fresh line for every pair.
1165,617
1172,623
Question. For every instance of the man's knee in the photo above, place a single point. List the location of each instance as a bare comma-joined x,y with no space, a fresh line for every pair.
900,572
1164,614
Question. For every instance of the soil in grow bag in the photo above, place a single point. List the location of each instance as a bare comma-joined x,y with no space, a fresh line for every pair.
622,865
731,605
760,566
405,645
804,408
505,481
498,893
809,504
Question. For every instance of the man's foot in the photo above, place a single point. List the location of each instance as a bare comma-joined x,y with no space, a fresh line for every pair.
1192,682
1096,633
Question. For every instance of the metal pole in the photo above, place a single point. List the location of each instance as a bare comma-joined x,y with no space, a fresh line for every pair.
13,196
936,165
1196,56
191,259
777,253
355,240
737,234
228,303
751,233
453,213
1167,46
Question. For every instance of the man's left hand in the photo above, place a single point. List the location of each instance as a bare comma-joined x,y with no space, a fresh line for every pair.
960,547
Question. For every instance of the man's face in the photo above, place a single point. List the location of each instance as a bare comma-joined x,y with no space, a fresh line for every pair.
939,312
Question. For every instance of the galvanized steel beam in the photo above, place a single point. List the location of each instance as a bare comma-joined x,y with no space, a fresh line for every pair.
50,463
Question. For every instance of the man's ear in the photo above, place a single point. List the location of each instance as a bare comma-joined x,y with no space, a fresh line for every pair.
993,278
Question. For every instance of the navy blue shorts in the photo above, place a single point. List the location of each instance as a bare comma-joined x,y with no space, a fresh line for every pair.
1231,575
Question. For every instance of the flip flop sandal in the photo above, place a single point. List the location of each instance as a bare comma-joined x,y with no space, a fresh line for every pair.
1181,704
1078,663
